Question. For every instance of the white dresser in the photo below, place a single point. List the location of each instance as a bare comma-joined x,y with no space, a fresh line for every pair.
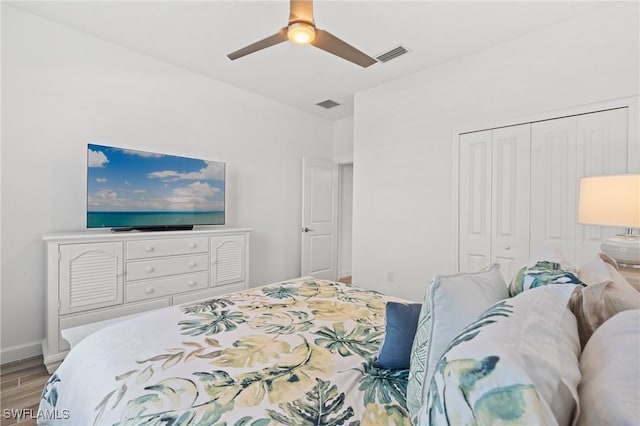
100,275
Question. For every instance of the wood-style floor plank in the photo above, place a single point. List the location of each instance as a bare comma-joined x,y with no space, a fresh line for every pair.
345,280
21,388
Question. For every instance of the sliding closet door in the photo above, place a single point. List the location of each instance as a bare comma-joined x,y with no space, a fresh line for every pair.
553,185
475,201
510,198
602,149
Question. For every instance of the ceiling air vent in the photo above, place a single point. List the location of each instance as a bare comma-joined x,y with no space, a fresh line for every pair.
328,104
392,54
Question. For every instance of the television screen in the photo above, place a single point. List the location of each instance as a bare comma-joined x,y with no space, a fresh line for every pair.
137,189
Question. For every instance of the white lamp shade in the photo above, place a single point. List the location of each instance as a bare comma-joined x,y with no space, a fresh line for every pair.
610,201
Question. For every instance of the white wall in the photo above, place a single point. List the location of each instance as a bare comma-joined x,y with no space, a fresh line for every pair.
343,140
62,89
404,130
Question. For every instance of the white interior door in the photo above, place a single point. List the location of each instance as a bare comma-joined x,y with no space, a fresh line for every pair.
553,186
475,201
510,198
602,150
319,218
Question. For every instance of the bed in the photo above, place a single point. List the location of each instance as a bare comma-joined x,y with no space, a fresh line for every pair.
557,346
293,353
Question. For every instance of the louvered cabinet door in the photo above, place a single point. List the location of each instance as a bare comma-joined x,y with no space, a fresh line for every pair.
90,276
228,254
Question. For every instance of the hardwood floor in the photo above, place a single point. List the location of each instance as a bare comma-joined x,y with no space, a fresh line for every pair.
22,383
346,280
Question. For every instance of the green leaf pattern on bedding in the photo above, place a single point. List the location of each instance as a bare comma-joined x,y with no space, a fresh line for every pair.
272,355
212,322
322,405
382,386
50,391
360,340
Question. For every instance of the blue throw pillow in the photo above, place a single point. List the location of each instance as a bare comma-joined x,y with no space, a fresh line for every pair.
401,322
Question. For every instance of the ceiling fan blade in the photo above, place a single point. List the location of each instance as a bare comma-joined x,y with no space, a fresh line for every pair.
301,11
329,43
278,37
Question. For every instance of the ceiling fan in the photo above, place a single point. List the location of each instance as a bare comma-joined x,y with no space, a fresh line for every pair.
302,29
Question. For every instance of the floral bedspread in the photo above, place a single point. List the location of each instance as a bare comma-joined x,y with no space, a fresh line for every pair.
294,353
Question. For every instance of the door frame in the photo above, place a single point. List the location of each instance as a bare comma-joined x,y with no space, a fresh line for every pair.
341,166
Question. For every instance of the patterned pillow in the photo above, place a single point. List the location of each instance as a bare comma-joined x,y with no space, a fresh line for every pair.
450,304
542,273
517,364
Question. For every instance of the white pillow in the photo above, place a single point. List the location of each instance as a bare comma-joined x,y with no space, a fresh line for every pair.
610,387
517,364
606,294
451,303
597,271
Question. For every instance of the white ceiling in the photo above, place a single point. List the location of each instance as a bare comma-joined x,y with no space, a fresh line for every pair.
198,36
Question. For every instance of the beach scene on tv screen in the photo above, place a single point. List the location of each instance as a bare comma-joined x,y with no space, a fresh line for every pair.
129,188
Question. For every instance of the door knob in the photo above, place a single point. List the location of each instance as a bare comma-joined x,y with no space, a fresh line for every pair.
305,229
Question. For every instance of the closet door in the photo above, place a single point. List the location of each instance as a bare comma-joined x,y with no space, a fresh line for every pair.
602,149
553,186
562,151
475,201
510,195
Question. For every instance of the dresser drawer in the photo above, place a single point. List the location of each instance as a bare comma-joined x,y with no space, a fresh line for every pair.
145,269
144,249
166,286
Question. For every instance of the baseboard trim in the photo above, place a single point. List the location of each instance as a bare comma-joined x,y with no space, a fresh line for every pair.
20,352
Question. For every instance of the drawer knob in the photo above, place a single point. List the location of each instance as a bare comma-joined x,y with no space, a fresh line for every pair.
507,247
193,264
192,283
148,290
149,269
149,249
193,245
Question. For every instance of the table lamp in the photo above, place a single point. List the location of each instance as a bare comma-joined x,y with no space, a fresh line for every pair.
614,200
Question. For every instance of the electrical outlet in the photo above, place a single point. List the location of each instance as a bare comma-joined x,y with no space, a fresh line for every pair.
390,276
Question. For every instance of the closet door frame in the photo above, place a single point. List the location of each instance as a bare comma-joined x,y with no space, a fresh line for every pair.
633,140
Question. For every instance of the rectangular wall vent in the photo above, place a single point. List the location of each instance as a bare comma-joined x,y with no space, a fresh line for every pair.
328,104
392,54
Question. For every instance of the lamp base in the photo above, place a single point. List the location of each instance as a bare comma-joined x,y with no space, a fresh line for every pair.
625,249
631,274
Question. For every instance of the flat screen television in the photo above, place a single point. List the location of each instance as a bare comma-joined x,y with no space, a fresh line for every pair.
128,189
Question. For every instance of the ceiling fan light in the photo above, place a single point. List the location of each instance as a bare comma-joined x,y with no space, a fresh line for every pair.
301,33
